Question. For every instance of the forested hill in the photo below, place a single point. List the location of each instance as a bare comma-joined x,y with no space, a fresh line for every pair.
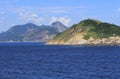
89,32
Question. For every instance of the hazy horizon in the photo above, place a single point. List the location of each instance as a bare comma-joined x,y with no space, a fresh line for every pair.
69,12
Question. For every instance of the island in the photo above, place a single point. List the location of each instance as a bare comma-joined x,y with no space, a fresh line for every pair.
89,32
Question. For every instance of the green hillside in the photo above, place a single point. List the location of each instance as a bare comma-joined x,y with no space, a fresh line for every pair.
93,28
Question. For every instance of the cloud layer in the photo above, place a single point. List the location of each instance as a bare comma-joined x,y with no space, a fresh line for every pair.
27,17
35,18
64,20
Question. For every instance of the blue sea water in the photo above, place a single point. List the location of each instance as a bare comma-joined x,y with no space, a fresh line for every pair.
39,61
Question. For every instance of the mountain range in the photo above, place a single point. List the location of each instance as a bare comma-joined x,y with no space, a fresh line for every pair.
89,32
86,32
31,32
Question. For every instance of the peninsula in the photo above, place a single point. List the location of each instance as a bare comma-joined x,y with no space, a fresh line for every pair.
89,32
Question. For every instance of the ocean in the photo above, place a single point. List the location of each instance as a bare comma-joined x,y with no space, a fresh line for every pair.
39,61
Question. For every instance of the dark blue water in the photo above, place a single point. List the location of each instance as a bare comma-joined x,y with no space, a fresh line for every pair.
39,61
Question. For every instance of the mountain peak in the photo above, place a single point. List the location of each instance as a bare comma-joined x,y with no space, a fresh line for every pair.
59,26
89,22
57,23
29,24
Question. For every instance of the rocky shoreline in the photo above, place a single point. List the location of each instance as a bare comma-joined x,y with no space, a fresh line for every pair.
112,41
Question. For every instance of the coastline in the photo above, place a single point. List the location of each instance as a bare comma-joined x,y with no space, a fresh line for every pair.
103,44
51,44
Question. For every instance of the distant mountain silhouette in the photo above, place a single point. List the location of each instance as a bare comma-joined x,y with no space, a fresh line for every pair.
32,32
59,26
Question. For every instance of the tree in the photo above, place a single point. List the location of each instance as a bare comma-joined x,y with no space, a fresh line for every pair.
86,37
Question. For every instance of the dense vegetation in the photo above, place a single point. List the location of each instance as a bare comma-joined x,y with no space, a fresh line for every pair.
99,30
92,28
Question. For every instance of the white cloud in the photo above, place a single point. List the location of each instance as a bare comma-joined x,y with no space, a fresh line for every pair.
50,9
54,9
64,20
31,17
35,18
62,9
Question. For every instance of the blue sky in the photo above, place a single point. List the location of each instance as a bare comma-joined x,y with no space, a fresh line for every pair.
69,12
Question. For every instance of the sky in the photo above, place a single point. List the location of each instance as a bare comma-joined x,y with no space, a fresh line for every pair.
45,12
